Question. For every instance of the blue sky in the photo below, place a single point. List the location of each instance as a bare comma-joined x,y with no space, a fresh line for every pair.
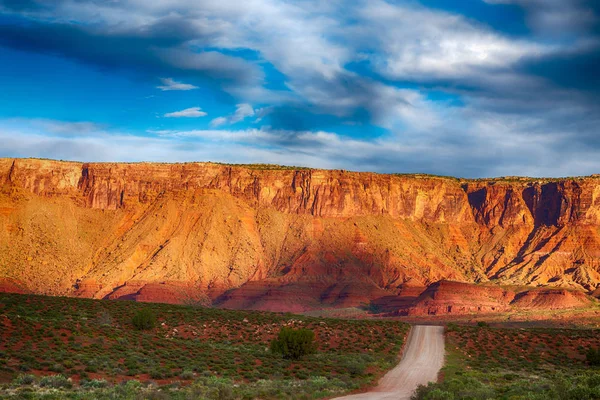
470,88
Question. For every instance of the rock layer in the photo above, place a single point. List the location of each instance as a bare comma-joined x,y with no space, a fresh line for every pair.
333,238
459,298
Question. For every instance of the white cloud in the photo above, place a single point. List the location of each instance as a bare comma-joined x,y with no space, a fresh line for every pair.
413,41
262,112
218,121
311,43
193,112
242,112
486,145
171,84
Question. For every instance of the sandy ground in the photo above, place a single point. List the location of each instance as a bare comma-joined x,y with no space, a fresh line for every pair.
423,358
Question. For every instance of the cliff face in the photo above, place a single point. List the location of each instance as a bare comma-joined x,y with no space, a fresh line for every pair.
90,229
315,192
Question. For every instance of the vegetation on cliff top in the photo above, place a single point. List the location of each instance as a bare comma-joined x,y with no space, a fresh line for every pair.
279,167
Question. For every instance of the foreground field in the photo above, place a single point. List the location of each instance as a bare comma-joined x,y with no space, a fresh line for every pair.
93,351
508,363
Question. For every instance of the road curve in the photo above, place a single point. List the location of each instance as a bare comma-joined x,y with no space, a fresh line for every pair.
422,360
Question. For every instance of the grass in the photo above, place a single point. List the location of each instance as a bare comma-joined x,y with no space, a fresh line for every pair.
506,363
55,343
266,167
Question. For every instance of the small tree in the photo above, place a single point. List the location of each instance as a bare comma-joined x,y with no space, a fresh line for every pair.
144,319
593,356
294,343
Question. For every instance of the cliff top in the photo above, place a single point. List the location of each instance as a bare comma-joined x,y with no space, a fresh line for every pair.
276,167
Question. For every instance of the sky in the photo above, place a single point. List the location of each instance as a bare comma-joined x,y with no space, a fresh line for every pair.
470,88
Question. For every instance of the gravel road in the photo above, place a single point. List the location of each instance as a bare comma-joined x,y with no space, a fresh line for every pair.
422,360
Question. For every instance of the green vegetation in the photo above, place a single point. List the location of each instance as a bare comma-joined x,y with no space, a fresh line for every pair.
425,176
266,167
593,356
55,348
294,343
144,320
515,364
56,382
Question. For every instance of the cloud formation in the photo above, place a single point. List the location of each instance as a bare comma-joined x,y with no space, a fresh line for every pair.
242,111
192,112
171,84
490,147
439,90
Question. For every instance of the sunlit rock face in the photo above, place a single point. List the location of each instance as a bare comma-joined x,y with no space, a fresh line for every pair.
255,237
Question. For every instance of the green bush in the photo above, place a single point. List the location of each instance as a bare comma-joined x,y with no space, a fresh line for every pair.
95,384
478,386
294,343
355,367
56,381
24,379
144,320
186,374
593,356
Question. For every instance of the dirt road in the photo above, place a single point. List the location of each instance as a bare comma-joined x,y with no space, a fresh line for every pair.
423,358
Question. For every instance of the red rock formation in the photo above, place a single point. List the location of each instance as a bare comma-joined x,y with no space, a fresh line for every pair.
326,237
446,297
460,298
8,285
551,299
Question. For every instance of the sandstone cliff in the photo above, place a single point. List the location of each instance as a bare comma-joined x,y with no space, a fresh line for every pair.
321,237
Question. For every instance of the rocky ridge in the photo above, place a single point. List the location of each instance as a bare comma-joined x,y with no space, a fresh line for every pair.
257,236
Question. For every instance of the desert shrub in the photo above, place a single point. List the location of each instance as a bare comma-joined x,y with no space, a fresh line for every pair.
225,392
593,356
95,384
56,381
57,368
144,319
355,367
105,319
157,374
482,324
186,374
294,343
24,379
438,394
